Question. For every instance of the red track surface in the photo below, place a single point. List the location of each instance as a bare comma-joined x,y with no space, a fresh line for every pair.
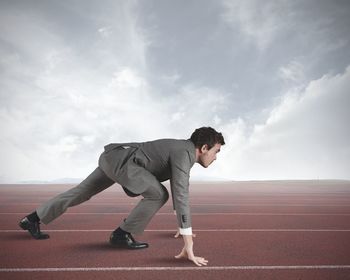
250,230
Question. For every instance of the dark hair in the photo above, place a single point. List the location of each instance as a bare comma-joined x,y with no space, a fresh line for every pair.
208,136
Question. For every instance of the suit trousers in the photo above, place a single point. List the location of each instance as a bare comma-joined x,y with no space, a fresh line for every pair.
155,196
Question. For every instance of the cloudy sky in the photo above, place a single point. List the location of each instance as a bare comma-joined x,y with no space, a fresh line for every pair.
272,76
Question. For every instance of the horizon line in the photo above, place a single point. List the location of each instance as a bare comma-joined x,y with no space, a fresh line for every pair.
62,182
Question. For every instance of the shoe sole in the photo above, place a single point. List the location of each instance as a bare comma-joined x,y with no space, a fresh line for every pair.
124,246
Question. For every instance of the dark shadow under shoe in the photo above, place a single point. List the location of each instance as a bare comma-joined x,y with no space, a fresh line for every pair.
126,241
33,228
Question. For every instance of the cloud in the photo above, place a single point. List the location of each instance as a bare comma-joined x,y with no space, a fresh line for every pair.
258,21
75,77
293,72
310,28
105,31
305,137
65,134
62,102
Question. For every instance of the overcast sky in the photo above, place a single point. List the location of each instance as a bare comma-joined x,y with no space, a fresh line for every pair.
272,76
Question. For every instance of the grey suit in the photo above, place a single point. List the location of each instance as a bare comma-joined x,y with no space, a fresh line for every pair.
139,168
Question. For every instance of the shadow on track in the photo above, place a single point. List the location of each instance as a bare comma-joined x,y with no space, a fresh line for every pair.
17,236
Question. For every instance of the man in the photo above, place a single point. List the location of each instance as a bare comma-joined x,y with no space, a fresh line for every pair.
139,168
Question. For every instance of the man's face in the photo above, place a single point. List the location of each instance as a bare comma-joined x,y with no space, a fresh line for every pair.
206,157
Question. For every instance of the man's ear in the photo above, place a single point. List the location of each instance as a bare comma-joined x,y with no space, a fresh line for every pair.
204,148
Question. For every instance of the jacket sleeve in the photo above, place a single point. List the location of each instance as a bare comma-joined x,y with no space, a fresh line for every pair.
179,183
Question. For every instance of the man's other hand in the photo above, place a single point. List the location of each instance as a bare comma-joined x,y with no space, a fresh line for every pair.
187,252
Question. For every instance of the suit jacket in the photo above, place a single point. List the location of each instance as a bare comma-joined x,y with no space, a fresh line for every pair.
136,166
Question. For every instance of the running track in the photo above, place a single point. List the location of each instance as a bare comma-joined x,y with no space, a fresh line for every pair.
247,230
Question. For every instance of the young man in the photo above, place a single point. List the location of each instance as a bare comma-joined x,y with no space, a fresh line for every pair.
139,168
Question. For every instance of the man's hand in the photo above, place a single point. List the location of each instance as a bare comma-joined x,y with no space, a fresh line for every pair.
187,252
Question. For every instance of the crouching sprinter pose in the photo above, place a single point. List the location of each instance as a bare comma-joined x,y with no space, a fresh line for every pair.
140,168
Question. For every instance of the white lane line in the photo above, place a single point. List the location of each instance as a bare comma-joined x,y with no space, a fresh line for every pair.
269,204
195,230
202,214
169,268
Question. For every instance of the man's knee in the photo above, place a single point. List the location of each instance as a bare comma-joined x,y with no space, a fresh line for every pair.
161,194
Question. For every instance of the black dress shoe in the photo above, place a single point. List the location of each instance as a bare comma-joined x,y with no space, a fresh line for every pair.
126,241
33,228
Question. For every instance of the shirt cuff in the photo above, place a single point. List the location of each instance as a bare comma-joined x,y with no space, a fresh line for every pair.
186,231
